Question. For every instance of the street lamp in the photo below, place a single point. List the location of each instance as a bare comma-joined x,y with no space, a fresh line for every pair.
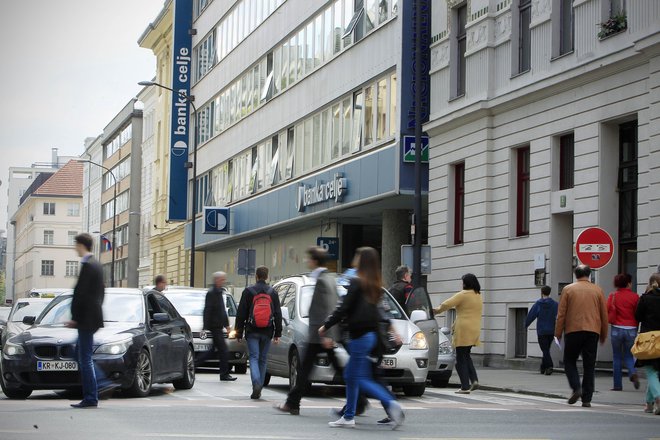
189,99
114,216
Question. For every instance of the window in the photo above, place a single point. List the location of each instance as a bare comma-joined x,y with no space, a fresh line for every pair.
71,268
318,40
205,56
328,35
47,268
461,47
107,210
358,104
368,116
49,208
346,127
524,35
372,14
628,183
566,161
381,109
393,115
617,8
459,202
71,238
49,237
73,210
316,141
336,131
200,5
567,25
203,192
522,191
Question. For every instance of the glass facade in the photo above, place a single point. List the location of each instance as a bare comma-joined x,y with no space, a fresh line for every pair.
120,171
118,141
107,210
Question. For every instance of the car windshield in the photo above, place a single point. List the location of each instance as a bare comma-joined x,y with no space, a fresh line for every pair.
24,309
192,304
116,308
389,305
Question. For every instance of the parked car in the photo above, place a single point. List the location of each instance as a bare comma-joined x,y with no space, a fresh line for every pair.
440,375
22,307
406,367
190,304
144,341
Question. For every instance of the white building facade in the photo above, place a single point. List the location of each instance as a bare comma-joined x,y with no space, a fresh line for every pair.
542,124
91,194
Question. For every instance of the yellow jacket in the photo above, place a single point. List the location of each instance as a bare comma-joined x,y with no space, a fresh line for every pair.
467,326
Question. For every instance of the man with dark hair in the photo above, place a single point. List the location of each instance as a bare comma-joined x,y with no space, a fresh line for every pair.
87,317
324,300
582,318
544,311
402,287
160,283
260,317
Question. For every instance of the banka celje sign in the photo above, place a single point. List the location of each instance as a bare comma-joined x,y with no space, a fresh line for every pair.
333,190
181,63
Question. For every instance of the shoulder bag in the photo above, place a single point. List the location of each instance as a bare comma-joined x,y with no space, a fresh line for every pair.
647,346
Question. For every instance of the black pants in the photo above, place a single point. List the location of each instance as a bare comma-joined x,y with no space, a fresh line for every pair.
306,367
465,367
585,344
545,342
221,347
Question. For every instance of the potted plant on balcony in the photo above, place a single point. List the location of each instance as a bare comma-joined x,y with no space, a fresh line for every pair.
613,25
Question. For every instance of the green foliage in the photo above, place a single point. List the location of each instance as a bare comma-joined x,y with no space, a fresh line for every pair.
612,26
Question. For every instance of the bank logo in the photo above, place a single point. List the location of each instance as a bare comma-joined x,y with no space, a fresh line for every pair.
333,190
179,148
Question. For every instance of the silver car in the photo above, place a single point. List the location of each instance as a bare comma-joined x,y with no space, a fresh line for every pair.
407,367
189,302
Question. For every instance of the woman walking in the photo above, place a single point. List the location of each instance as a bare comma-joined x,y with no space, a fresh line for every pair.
466,329
621,306
648,315
360,311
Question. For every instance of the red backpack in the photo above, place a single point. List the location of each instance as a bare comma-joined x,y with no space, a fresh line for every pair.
261,313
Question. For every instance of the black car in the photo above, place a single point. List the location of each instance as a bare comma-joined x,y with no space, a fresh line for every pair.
144,341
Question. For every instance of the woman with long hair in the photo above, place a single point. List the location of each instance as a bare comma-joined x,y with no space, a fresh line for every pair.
621,306
359,310
466,329
648,316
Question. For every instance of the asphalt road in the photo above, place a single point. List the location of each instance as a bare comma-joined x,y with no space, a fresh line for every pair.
214,410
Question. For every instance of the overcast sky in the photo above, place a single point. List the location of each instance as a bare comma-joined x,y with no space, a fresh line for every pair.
66,68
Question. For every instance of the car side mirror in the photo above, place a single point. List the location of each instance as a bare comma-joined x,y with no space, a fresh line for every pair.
445,331
418,315
285,316
161,317
29,320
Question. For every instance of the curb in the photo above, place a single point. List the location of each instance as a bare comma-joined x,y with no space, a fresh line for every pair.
519,391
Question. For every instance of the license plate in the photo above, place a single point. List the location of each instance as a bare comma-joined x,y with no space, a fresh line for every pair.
57,366
202,347
388,363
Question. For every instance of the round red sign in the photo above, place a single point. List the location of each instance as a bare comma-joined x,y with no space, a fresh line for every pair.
594,247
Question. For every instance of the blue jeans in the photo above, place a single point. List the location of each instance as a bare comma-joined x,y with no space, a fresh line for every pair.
358,375
622,342
653,388
86,363
258,346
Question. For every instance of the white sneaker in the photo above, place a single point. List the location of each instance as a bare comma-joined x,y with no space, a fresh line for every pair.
342,423
396,414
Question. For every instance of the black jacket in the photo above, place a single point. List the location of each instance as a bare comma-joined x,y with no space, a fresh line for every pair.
361,316
245,310
399,290
648,315
87,302
215,313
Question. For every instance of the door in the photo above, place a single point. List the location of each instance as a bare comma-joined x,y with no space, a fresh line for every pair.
419,300
521,333
176,328
159,340
278,361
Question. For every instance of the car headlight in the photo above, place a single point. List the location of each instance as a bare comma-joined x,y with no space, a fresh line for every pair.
418,342
13,349
232,334
445,347
119,347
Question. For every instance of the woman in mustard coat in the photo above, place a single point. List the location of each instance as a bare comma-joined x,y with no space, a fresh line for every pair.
466,329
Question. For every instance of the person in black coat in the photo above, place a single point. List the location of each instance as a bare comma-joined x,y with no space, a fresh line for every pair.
216,319
87,317
402,287
648,316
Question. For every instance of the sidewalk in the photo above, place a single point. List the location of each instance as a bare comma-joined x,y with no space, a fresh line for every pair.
556,385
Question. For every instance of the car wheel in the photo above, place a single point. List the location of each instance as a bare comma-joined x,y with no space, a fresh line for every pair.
240,368
188,379
440,382
414,390
142,380
294,369
267,380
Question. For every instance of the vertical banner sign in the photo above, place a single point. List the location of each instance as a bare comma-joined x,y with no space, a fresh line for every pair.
179,135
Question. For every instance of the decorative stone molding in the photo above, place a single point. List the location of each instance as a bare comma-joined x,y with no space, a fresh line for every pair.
440,56
477,36
541,11
503,28
503,5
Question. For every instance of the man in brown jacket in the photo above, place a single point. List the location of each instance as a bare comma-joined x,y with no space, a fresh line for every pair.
583,319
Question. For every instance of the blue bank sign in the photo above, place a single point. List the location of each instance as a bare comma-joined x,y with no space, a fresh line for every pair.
216,220
179,136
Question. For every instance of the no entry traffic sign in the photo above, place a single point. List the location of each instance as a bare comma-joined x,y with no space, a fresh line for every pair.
594,247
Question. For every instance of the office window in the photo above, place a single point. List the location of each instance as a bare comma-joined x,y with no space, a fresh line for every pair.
336,132
299,161
393,114
338,27
290,153
358,104
71,238
49,237
293,60
318,40
300,54
524,35
383,11
358,27
567,26
522,191
205,56
372,14
328,34
617,8
461,47
308,145
49,208
368,115
566,161
200,5
73,209
71,268
459,202
47,268
309,48
381,110
346,127
326,123
317,155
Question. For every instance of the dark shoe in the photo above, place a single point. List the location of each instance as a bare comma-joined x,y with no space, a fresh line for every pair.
285,408
548,371
616,389
84,404
574,397
635,380
256,392
385,421
227,378
362,408
586,404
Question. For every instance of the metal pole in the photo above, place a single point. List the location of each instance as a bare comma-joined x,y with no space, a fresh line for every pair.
417,244
193,226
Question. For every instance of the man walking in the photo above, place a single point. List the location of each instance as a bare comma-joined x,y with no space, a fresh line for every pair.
259,316
87,317
324,301
545,312
582,318
402,287
216,319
